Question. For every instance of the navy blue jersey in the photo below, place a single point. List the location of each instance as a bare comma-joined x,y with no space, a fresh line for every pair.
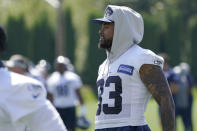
171,76
190,80
1,64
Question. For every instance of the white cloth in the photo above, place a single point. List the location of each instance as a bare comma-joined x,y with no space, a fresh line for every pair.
122,94
21,98
63,88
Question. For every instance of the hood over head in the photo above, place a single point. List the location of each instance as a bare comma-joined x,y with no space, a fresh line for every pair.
128,28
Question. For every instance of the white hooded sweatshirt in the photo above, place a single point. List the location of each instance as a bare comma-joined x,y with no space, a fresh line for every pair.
122,95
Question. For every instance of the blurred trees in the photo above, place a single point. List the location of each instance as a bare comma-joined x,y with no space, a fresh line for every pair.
42,40
194,46
95,56
70,36
170,26
18,35
35,40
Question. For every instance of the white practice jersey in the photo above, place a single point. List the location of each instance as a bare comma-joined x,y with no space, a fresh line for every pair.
63,88
122,95
23,105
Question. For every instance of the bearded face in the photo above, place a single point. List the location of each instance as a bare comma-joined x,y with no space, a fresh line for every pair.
105,43
106,36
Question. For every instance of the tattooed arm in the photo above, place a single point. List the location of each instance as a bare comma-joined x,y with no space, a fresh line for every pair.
154,79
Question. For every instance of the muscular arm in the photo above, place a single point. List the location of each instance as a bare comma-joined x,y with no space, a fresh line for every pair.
154,79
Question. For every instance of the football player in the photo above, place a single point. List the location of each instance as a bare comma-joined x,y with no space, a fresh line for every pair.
64,86
129,75
23,103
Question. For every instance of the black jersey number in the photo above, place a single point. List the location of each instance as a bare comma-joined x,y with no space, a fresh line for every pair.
116,95
62,90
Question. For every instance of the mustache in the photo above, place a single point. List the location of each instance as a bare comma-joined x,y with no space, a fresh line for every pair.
106,44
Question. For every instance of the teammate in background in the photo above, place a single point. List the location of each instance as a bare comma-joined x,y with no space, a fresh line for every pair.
129,75
170,75
23,103
18,64
172,78
41,71
64,85
184,96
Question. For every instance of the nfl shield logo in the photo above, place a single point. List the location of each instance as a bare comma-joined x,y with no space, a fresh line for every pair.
108,12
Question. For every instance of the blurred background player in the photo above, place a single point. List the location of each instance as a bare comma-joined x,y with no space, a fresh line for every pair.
22,65
18,64
23,103
64,86
41,71
171,76
129,75
184,96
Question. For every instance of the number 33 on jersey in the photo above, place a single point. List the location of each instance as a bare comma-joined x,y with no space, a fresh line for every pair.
115,95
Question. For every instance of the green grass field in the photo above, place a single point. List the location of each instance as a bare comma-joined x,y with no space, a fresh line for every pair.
151,112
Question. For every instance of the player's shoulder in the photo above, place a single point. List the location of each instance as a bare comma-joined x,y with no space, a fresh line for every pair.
13,81
54,74
139,56
142,53
26,86
18,79
69,75
138,51
53,77
31,86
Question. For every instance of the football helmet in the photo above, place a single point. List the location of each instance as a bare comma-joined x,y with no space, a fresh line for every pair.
83,122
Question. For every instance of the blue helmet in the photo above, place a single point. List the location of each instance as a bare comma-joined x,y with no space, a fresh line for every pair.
83,122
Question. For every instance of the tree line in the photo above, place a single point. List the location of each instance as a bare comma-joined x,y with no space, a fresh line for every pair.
170,27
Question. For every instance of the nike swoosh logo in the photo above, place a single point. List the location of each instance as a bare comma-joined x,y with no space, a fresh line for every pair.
36,96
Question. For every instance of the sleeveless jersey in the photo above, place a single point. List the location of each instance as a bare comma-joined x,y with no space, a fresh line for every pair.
122,95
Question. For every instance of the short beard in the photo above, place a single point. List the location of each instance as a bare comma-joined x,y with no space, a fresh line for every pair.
105,45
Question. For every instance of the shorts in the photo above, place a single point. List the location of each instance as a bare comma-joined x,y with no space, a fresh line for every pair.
127,128
68,116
